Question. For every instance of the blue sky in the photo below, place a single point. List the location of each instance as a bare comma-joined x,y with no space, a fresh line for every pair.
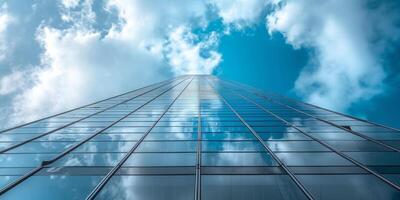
59,54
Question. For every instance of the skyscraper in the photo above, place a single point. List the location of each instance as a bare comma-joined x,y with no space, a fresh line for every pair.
198,137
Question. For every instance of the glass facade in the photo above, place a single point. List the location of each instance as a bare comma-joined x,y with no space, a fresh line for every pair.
199,137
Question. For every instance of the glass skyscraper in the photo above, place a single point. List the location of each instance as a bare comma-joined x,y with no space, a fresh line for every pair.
198,137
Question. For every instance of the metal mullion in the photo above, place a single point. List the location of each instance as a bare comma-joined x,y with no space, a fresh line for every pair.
199,149
58,114
111,173
281,164
80,119
329,147
47,162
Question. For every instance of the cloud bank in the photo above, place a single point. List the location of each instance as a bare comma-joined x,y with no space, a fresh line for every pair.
347,39
91,50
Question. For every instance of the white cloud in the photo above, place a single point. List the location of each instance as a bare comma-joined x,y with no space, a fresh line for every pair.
77,67
5,20
240,13
184,52
345,66
70,3
79,64
13,82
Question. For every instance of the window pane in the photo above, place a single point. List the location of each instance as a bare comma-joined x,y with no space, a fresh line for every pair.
171,136
356,146
249,187
167,146
117,137
313,159
335,136
53,187
356,187
296,146
23,160
228,136
283,136
237,159
232,146
376,158
149,188
161,159
89,159
42,147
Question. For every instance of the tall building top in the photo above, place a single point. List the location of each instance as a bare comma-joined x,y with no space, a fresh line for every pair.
199,137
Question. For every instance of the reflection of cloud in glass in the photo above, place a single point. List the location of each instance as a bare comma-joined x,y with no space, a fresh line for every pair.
149,187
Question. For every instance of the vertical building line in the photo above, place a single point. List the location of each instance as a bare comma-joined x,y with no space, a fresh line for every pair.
199,139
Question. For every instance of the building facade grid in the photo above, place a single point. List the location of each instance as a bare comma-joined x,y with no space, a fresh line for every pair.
199,137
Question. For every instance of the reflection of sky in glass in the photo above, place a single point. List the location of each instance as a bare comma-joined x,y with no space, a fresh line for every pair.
54,187
171,147
149,188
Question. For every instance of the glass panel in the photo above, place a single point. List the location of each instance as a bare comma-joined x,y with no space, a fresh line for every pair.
382,136
232,146
53,187
355,187
63,137
149,188
249,187
356,146
228,136
283,136
23,160
42,147
161,159
376,158
171,136
117,137
167,146
296,146
335,136
15,137
89,159
237,159
105,147
313,159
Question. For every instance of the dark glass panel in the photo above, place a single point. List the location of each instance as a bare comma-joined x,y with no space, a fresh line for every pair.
149,187
249,187
355,187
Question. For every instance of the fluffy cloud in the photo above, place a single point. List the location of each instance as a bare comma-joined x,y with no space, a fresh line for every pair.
240,13
345,64
13,82
184,52
148,42
5,20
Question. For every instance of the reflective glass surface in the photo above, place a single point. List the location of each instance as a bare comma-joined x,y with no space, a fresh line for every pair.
238,187
199,136
149,188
